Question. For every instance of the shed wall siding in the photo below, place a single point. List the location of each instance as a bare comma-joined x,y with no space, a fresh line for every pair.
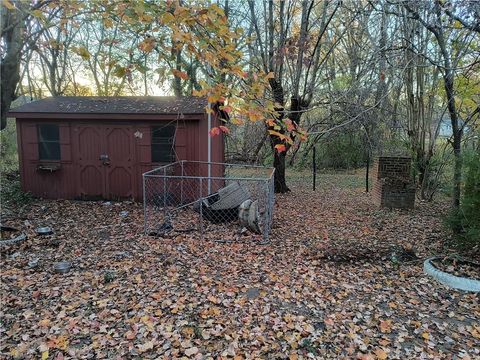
134,136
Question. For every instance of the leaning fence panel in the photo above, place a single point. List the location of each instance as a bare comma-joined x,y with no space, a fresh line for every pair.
218,201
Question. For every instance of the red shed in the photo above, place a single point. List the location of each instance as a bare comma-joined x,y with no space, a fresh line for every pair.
99,147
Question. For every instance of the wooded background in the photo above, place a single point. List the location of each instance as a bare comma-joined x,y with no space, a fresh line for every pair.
362,78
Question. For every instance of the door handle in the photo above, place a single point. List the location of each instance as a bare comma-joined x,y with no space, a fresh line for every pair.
105,159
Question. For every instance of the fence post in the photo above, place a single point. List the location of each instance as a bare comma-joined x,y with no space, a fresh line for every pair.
201,208
181,184
314,163
164,194
144,205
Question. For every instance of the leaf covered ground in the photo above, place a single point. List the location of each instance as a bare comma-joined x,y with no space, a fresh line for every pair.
325,287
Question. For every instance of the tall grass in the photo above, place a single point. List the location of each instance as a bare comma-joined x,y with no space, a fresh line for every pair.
8,148
10,191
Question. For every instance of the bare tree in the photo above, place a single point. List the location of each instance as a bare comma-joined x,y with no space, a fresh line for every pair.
15,30
294,59
431,16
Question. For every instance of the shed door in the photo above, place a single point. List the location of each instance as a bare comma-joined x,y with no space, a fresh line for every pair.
91,170
119,174
105,161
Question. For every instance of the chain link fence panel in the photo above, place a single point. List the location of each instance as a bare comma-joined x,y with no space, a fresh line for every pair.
217,201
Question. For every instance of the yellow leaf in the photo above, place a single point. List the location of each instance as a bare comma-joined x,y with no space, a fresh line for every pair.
14,352
417,324
38,13
308,328
45,355
215,311
83,52
213,299
62,343
382,355
44,322
197,92
236,121
8,4
457,24
168,18
108,23
213,98
426,335
277,134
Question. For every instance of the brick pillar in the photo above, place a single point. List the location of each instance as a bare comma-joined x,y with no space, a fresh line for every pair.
393,186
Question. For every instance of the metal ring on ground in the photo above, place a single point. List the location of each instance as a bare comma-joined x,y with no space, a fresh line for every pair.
15,240
456,282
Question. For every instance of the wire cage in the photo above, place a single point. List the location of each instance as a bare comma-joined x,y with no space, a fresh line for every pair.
218,201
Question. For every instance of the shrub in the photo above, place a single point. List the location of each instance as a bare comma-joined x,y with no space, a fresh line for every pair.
466,221
10,192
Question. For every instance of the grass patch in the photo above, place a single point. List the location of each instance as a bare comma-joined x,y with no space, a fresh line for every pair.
348,179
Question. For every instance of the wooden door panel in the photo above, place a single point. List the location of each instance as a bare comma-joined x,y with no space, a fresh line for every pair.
91,168
120,181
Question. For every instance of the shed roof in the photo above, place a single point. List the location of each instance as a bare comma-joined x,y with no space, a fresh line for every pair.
148,105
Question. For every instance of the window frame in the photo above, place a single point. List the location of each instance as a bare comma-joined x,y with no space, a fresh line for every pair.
44,142
163,141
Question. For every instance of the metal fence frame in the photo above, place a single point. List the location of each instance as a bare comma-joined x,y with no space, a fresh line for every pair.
162,175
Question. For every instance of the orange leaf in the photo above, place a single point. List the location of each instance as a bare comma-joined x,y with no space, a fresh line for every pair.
385,326
147,45
270,122
280,148
224,129
157,296
130,335
270,75
325,235
382,355
329,322
290,124
214,131
180,74
44,323
277,134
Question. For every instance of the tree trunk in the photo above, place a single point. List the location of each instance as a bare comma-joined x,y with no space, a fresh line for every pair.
280,180
278,158
457,129
14,23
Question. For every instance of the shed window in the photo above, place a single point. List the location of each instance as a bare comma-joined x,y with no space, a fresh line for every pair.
48,142
162,143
